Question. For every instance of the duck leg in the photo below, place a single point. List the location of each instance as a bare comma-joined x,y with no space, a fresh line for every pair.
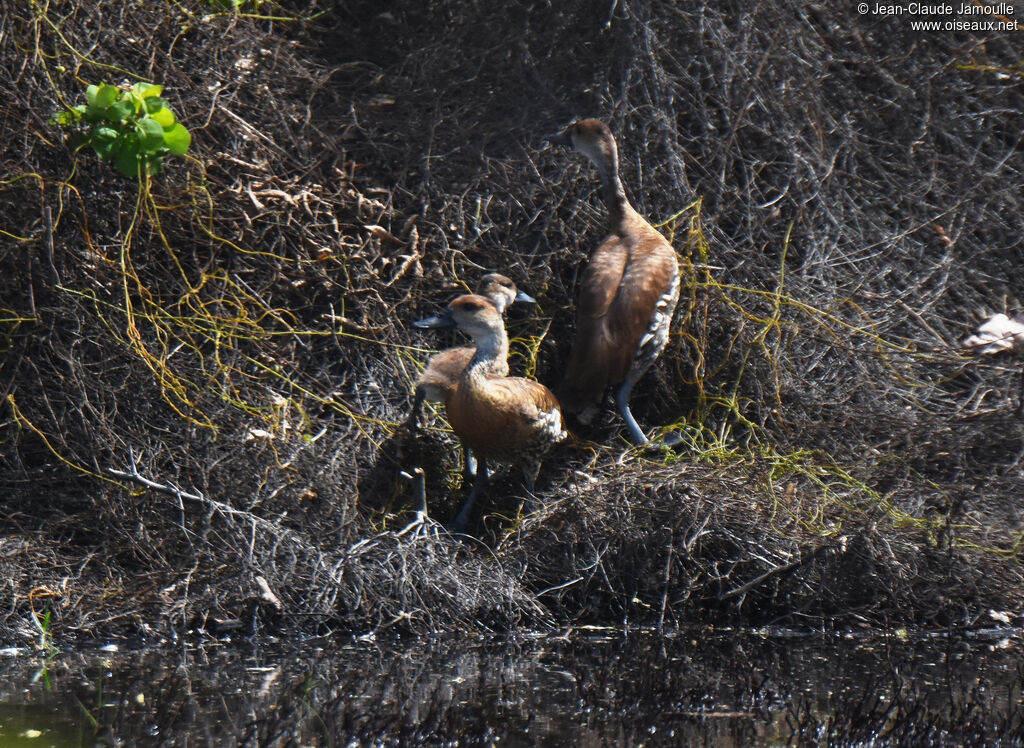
1020,408
530,471
462,520
622,401
468,464
413,421
419,479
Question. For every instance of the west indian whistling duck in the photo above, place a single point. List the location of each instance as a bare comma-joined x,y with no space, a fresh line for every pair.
627,295
438,380
502,419
997,334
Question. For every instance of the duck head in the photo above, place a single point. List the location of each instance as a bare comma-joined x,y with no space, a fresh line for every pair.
502,291
594,139
474,315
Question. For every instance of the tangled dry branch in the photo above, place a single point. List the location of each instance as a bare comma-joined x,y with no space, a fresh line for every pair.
844,200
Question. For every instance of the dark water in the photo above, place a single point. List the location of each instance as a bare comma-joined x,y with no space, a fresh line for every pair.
716,688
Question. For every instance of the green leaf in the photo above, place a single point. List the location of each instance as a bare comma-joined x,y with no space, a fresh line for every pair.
103,141
101,97
69,116
93,115
177,139
153,104
148,90
165,117
118,111
151,135
127,159
104,134
105,149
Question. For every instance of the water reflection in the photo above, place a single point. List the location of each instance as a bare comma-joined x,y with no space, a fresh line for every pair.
587,689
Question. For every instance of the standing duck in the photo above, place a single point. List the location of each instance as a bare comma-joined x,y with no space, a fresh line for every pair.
627,296
500,418
438,380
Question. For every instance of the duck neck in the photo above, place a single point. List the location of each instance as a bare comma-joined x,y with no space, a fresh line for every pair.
500,301
490,348
611,187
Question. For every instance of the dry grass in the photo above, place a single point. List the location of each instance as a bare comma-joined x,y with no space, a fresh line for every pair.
235,332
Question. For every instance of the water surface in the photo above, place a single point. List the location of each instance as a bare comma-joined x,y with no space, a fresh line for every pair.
589,688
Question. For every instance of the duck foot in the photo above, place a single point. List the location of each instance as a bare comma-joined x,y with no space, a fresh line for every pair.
671,441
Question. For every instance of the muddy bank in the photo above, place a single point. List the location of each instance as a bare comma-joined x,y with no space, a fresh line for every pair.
205,376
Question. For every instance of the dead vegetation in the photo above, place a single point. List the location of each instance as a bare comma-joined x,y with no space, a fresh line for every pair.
204,378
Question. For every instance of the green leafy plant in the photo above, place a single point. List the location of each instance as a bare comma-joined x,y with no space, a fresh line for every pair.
132,127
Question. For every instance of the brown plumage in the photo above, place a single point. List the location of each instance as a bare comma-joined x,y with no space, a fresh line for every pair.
503,419
438,380
627,295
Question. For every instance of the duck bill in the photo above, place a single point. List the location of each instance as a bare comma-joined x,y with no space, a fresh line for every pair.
560,139
524,298
439,322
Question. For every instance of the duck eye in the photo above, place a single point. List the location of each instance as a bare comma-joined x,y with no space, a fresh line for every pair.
471,307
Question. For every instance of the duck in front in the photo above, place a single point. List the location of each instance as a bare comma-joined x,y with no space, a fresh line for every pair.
627,295
501,419
438,380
